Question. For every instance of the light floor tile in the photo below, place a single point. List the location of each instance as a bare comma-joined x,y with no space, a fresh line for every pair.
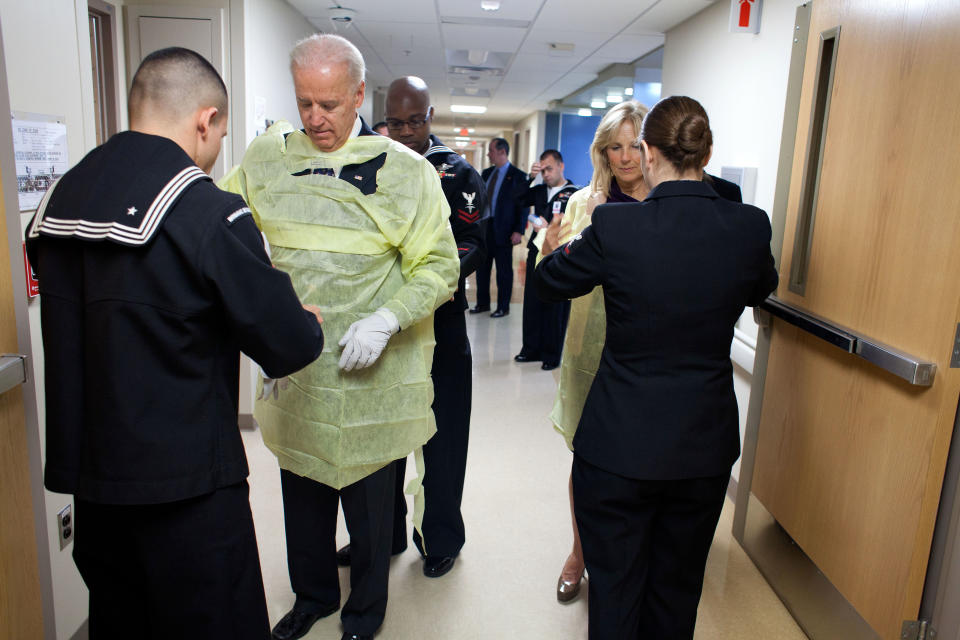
518,528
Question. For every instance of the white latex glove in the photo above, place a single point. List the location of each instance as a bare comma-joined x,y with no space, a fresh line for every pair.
365,339
271,386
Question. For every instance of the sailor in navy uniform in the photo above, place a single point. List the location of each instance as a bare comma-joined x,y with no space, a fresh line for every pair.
152,280
544,323
408,115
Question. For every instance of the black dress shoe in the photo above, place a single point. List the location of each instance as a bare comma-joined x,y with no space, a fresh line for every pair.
479,309
355,636
523,357
549,366
343,555
297,623
436,566
499,313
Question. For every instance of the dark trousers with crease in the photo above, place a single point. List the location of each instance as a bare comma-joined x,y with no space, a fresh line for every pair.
645,545
503,257
445,454
544,323
185,569
310,517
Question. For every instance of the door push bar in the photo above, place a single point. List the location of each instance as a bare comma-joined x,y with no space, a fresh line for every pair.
13,371
912,369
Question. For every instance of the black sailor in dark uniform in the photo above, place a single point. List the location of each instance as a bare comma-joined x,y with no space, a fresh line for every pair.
408,116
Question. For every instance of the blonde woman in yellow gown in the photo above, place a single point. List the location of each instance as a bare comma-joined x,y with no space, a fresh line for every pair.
617,177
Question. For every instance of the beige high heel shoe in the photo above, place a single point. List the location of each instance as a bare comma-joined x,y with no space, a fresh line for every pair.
567,591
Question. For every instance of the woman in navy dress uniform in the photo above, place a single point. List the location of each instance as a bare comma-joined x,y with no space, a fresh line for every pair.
659,431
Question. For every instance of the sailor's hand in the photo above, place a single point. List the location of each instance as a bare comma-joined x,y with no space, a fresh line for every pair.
366,338
551,237
596,198
315,311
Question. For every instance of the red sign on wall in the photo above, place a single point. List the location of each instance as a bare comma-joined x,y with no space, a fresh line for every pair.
33,285
745,16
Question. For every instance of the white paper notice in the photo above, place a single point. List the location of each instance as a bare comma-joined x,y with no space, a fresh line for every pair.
40,149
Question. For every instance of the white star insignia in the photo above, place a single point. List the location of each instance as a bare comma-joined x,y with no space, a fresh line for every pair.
132,211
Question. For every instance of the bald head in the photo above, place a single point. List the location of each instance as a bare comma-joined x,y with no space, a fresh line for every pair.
408,113
408,90
171,85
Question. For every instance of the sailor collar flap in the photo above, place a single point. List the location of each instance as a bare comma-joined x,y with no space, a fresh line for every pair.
127,186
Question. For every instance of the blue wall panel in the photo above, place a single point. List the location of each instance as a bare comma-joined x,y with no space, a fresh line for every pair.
576,135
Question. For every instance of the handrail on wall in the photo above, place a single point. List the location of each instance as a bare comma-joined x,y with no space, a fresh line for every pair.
914,370
13,371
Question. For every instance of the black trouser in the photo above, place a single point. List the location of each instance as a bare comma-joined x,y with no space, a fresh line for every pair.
544,323
445,454
503,256
645,545
310,517
185,569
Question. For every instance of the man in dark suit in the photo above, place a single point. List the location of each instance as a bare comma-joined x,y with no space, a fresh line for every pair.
506,191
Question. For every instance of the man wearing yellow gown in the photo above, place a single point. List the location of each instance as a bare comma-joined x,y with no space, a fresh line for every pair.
362,226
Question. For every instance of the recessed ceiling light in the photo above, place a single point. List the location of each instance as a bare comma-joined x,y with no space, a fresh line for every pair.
598,104
465,138
460,130
584,112
614,98
467,108
490,5
628,91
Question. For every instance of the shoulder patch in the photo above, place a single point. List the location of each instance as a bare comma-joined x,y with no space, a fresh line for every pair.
236,215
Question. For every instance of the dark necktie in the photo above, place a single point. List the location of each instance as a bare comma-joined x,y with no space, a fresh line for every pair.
491,185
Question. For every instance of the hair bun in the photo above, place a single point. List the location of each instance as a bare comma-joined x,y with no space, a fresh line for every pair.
691,134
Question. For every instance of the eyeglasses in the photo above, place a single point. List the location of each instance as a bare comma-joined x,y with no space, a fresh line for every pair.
414,123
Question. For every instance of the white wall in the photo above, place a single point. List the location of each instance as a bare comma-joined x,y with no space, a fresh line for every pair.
741,80
46,49
536,123
270,29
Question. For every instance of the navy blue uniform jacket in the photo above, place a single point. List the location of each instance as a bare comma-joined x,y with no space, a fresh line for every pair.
152,280
677,271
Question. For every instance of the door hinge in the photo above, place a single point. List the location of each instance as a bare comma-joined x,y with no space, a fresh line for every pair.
917,630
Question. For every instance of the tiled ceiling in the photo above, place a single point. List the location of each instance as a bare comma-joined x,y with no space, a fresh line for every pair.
514,60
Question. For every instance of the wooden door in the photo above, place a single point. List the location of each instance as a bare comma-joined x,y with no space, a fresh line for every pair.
21,614
850,458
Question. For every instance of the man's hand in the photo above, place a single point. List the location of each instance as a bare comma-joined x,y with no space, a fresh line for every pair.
315,311
534,170
516,238
365,339
551,237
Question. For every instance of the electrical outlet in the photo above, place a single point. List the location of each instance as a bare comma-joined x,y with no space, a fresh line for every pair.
65,526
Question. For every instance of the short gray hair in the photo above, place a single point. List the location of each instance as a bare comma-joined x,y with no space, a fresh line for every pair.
324,48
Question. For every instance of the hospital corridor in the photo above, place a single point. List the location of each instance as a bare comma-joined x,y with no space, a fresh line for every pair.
479,319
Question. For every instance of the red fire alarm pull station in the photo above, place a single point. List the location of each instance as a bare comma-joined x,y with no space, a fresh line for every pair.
33,285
